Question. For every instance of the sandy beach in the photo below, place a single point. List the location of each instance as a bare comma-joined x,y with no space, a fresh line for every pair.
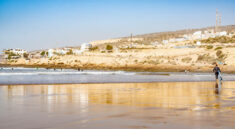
117,64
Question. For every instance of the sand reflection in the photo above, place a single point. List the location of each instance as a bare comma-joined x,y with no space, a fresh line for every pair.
165,95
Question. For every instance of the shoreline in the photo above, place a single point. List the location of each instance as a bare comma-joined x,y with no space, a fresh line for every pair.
130,68
84,77
61,84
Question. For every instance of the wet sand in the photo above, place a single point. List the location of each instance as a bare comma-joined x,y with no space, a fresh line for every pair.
178,105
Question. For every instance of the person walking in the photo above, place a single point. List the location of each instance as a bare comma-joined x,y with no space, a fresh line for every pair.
217,71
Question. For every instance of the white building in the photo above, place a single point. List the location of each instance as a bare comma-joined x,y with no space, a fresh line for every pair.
165,41
51,52
180,39
61,51
86,47
77,52
19,51
198,43
186,37
16,51
223,33
197,35
155,43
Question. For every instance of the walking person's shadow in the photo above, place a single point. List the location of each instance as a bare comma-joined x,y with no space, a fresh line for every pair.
218,88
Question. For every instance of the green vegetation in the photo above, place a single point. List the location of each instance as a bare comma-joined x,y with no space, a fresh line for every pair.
221,39
70,52
220,55
209,47
205,58
94,48
9,57
26,55
11,54
42,53
218,48
109,47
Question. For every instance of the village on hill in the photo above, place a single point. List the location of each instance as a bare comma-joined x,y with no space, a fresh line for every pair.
194,50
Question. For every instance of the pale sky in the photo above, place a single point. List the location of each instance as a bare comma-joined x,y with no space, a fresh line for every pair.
41,24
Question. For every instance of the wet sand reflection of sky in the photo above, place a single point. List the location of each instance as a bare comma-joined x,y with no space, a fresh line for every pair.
164,95
122,105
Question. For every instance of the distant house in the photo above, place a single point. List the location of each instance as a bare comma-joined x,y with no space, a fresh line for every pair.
77,52
223,33
165,41
13,53
155,43
16,51
19,51
197,35
51,52
86,47
58,51
179,39
198,43
35,55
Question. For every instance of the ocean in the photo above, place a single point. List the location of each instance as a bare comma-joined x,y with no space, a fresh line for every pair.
18,75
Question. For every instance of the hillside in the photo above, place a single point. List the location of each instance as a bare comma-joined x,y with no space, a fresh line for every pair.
159,36
142,53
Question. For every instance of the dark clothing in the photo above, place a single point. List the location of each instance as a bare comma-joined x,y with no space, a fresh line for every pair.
216,75
217,71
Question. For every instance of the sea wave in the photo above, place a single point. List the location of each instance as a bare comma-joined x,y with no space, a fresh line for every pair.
68,73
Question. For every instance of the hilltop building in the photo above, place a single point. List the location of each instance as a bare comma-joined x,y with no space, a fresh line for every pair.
86,46
198,35
14,53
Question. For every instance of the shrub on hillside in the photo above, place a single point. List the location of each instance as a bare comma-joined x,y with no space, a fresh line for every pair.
42,53
209,47
221,39
205,58
109,47
218,48
70,52
25,55
11,54
220,55
94,48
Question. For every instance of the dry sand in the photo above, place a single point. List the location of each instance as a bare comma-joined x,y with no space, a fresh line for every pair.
164,59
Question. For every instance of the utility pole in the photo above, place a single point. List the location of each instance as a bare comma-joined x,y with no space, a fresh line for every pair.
131,37
218,21
216,24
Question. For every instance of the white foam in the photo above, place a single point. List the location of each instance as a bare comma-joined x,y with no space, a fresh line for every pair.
68,73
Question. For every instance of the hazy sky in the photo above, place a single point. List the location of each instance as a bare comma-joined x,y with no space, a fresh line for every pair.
38,24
